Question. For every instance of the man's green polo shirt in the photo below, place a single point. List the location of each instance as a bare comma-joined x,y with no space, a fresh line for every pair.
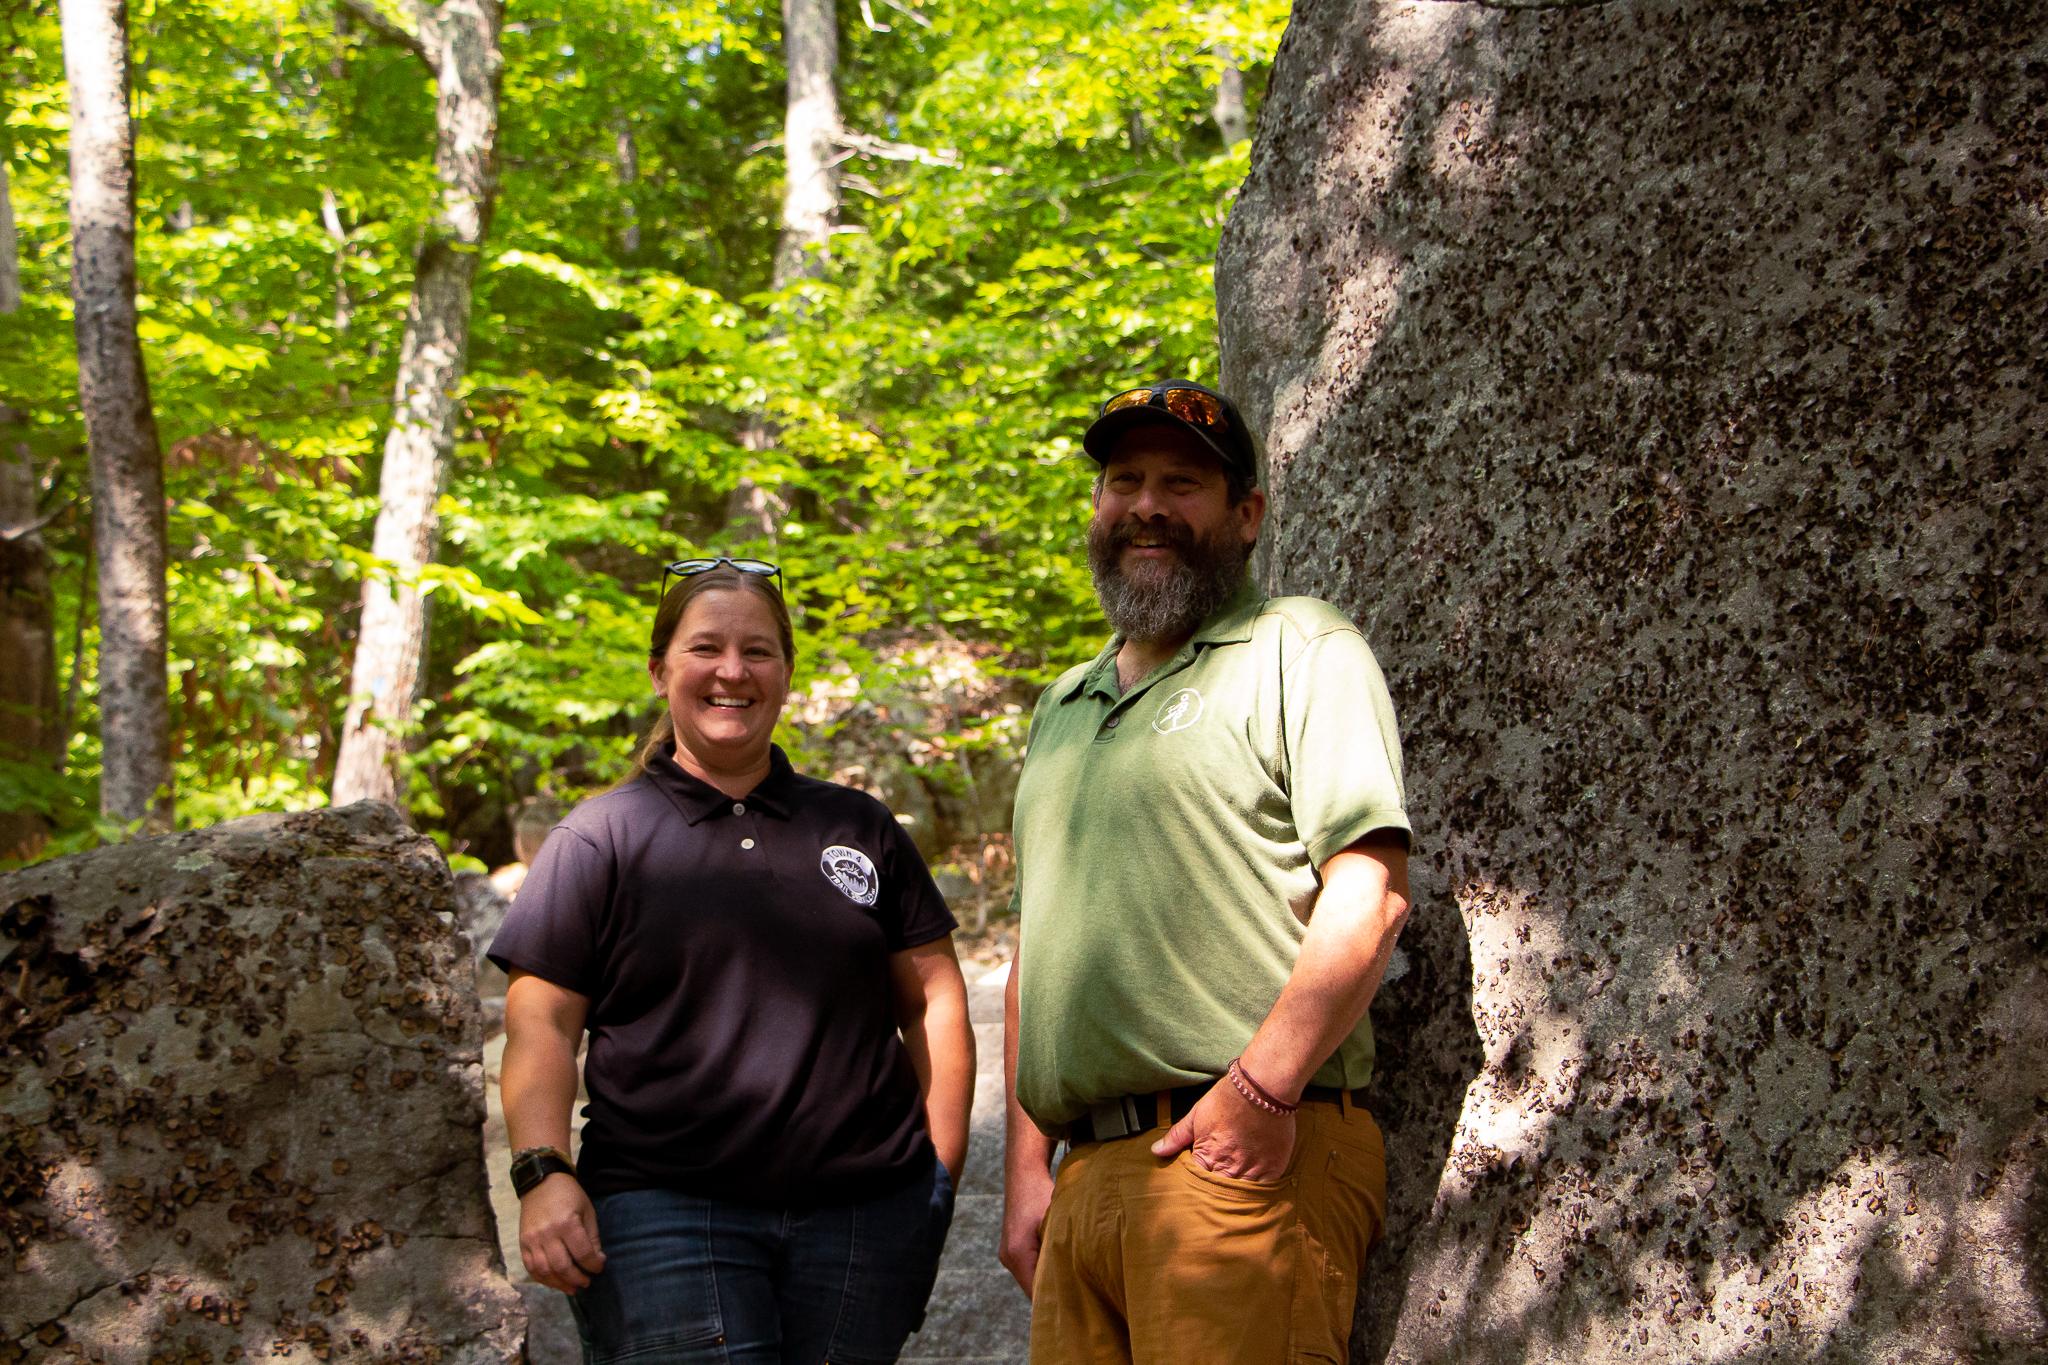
1168,840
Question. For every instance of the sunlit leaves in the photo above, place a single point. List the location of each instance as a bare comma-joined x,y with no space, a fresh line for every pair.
628,361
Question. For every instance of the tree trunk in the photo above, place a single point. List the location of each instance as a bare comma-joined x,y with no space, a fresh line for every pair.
810,140
1231,120
337,232
10,249
29,732
460,40
120,428
810,205
629,176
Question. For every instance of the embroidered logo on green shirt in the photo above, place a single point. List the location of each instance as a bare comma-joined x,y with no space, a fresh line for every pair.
1178,711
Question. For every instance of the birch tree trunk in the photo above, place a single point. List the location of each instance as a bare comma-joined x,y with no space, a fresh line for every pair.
810,205
810,138
10,249
628,154
459,40
120,427
1229,111
29,730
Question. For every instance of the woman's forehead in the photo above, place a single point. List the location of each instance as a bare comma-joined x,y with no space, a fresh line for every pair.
728,610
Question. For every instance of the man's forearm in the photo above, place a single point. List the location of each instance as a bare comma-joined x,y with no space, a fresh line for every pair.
1344,955
1027,1159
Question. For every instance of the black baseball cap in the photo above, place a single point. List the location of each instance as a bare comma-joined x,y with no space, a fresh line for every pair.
1179,403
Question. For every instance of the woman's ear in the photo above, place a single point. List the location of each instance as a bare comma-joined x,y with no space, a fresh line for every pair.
654,672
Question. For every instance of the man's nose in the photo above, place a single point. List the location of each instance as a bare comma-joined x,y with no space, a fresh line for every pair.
1149,503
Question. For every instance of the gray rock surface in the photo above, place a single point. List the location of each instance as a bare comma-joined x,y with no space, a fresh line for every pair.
242,1098
1660,386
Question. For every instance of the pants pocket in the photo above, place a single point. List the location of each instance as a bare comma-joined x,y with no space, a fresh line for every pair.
1234,1185
656,1302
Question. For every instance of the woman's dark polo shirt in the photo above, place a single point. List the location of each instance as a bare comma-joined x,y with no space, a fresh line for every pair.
736,957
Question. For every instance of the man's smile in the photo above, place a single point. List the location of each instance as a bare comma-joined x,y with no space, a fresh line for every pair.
1153,542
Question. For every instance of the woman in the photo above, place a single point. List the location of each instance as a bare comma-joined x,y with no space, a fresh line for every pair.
767,1168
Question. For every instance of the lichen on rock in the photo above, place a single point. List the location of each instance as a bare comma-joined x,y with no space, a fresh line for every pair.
1659,386
243,1100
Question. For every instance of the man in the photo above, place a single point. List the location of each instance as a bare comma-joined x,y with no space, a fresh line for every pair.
1212,869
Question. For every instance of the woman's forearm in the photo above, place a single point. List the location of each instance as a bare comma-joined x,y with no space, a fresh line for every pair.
537,1078
949,1094
931,1013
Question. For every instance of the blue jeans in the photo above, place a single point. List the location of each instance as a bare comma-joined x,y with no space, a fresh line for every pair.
688,1279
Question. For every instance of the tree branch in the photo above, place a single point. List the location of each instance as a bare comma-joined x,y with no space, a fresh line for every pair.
389,30
908,12
29,528
863,144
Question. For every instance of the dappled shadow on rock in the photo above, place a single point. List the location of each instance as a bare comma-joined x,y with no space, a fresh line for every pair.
1659,388
1428,1053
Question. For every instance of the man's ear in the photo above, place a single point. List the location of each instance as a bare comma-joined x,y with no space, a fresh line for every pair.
1251,513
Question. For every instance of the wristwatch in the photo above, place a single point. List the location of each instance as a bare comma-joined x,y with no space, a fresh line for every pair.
531,1165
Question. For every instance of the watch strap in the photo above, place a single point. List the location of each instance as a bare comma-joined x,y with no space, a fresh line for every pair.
531,1165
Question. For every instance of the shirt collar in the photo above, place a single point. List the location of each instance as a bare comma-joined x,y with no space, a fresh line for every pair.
1229,624
697,800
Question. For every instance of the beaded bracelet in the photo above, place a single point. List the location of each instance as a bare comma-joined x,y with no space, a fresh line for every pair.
1255,1094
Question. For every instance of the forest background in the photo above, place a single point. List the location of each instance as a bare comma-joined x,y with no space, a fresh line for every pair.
1028,197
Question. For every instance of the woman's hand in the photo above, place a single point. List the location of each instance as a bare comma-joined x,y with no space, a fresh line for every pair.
558,1234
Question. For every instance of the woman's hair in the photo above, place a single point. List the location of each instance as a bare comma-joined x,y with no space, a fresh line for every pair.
724,578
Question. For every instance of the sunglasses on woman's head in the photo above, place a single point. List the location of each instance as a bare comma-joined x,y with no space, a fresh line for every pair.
1190,405
690,568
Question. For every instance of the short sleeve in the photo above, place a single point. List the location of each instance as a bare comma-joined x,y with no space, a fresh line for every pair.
1344,754
921,915
552,928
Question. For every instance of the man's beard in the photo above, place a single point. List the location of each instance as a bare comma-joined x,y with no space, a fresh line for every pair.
1168,601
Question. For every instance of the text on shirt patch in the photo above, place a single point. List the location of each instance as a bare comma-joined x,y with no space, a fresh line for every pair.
850,870
1178,711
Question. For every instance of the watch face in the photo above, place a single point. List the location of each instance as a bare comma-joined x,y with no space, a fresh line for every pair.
530,1169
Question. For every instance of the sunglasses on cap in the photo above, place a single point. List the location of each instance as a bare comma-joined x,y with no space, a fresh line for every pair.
1197,407
690,568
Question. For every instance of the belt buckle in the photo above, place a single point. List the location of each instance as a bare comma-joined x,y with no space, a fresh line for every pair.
1115,1118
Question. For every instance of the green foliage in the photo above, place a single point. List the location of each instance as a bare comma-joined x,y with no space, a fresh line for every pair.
1053,243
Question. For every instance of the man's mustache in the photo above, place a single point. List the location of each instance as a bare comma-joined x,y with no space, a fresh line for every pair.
1180,538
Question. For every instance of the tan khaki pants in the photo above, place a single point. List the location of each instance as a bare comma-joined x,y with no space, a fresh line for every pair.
1150,1262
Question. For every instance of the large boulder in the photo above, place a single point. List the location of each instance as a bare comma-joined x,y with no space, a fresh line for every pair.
243,1102
1659,384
